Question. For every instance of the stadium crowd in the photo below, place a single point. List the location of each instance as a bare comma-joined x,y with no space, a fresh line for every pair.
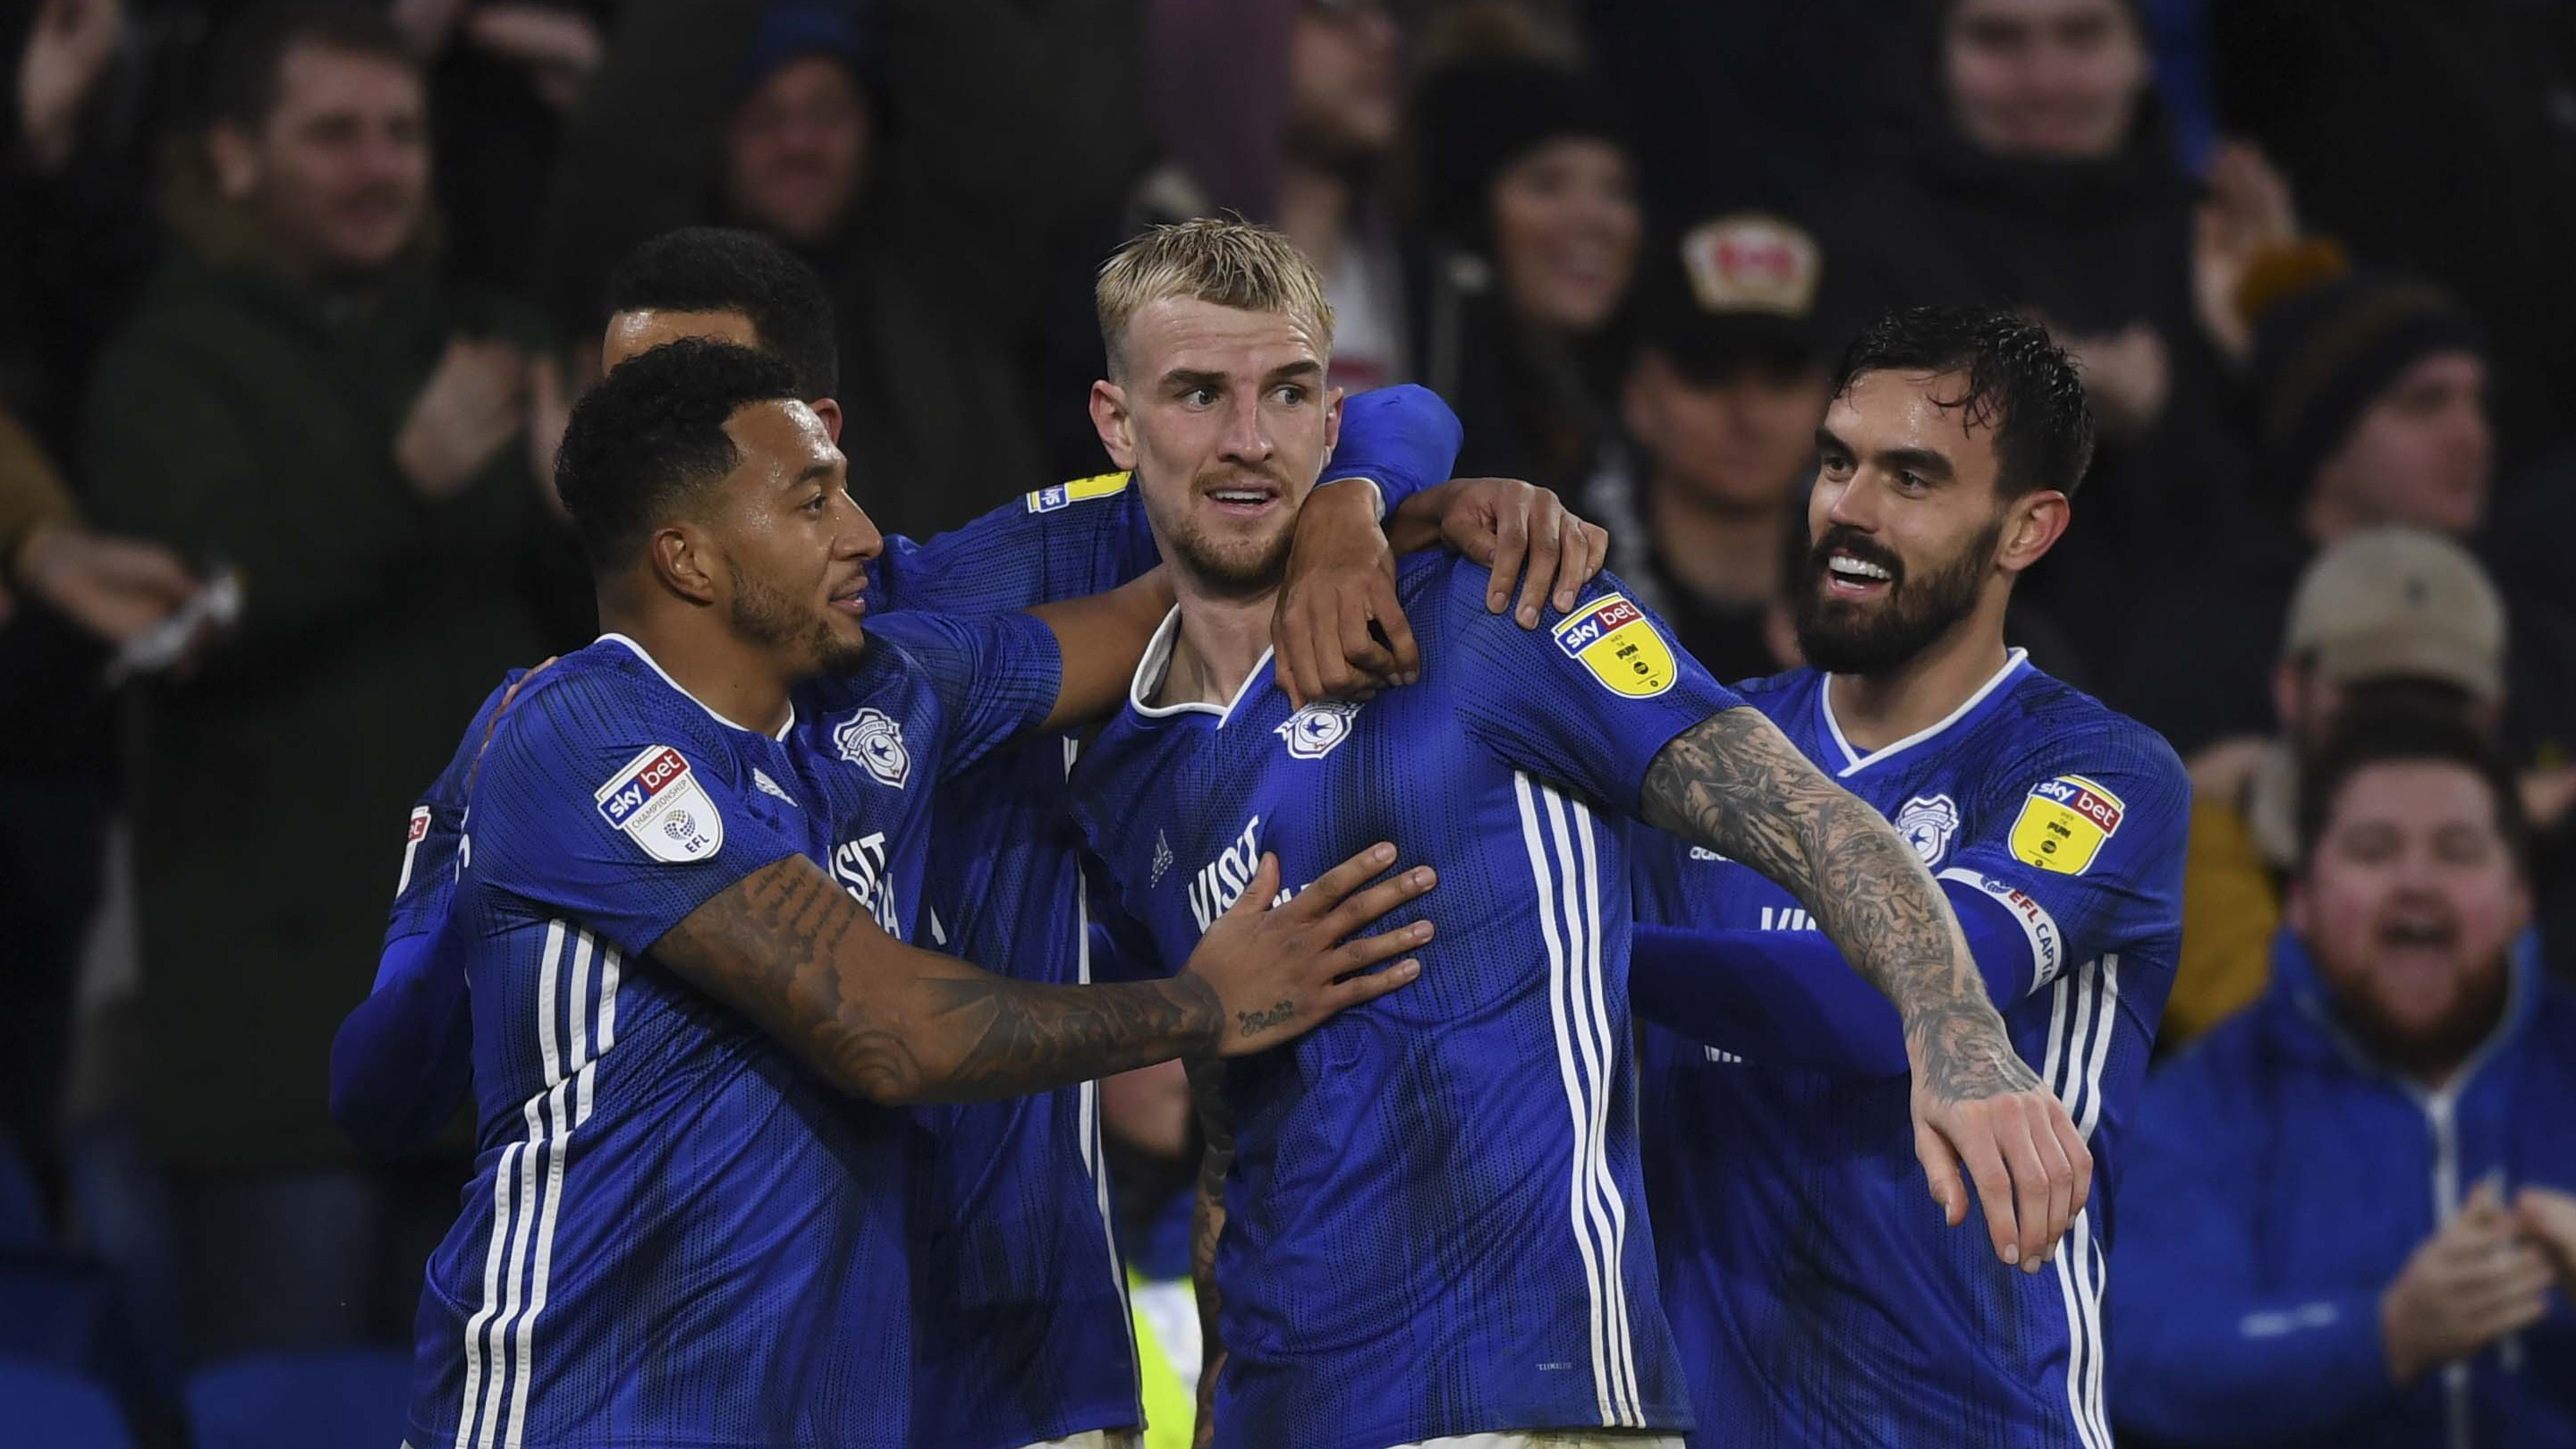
296,300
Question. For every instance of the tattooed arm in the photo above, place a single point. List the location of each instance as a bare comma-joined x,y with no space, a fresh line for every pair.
1734,784
1207,1223
789,949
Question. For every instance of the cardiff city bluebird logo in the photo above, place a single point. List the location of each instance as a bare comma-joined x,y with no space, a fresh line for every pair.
874,739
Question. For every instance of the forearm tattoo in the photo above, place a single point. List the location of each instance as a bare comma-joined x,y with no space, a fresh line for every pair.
772,946
1207,1212
1735,784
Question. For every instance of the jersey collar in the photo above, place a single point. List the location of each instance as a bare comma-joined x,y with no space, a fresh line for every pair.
655,665
1854,761
1158,662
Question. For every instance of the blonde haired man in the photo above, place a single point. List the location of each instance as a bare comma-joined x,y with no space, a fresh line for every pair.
1429,1228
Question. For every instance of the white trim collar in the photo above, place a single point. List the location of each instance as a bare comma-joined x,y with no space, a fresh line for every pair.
1158,663
1855,761
656,666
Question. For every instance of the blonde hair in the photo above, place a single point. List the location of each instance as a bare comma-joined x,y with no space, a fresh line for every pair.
1223,260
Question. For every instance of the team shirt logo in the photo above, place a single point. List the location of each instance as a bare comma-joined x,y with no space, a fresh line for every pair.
1613,639
874,739
1927,825
1312,732
1065,495
657,801
2063,824
411,845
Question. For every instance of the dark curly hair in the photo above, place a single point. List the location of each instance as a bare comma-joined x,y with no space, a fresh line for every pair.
721,269
651,437
2017,382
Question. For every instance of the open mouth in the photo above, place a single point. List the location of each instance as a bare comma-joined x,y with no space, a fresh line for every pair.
1849,576
851,599
1243,500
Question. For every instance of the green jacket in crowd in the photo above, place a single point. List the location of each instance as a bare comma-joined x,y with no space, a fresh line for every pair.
247,422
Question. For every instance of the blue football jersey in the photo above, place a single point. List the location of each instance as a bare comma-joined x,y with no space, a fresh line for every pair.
1022,1332
428,880
1435,1224
676,1233
1816,1293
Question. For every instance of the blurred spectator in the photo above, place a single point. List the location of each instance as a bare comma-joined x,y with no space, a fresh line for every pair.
296,399
2437,140
1531,190
1725,98
2388,615
2049,183
2354,1195
501,78
914,151
2369,399
74,185
55,571
1724,389
1281,111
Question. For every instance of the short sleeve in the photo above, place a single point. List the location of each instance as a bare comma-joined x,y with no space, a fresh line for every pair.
625,819
436,823
997,676
1061,542
2087,847
1587,699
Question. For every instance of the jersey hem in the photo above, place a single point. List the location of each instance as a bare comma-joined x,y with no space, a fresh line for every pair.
415,1437
1107,1416
1661,1418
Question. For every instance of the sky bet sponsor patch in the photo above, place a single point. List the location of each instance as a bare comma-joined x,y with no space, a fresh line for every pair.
657,802
2063,824
1613,638
1063,495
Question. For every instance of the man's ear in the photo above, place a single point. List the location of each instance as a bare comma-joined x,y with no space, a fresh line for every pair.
1111,419
234,156
1332,421
684,561
2032,526
830,412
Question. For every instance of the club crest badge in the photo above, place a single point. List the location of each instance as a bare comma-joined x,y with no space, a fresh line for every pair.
873,740
1928,824
1312,732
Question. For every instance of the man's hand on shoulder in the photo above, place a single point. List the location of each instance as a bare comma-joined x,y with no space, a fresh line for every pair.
1519,530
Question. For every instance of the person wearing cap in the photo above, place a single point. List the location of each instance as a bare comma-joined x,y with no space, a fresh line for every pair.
1532,197
1725,385
2390,617
2360,1231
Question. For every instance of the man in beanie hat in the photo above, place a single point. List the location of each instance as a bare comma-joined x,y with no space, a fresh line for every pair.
2368,398
2390,617
1725,385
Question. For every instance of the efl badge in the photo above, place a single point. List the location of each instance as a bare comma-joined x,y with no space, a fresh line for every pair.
874,739
657,802
1614,640
2064,823
411,846
1927,825
2047,944
1064,495
1312,732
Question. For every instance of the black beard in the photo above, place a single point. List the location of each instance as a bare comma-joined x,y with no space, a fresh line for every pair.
2439,1048
766,617
1840,639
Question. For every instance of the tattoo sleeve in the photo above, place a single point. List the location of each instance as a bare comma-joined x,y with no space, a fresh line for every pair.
1734,784
882,1020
